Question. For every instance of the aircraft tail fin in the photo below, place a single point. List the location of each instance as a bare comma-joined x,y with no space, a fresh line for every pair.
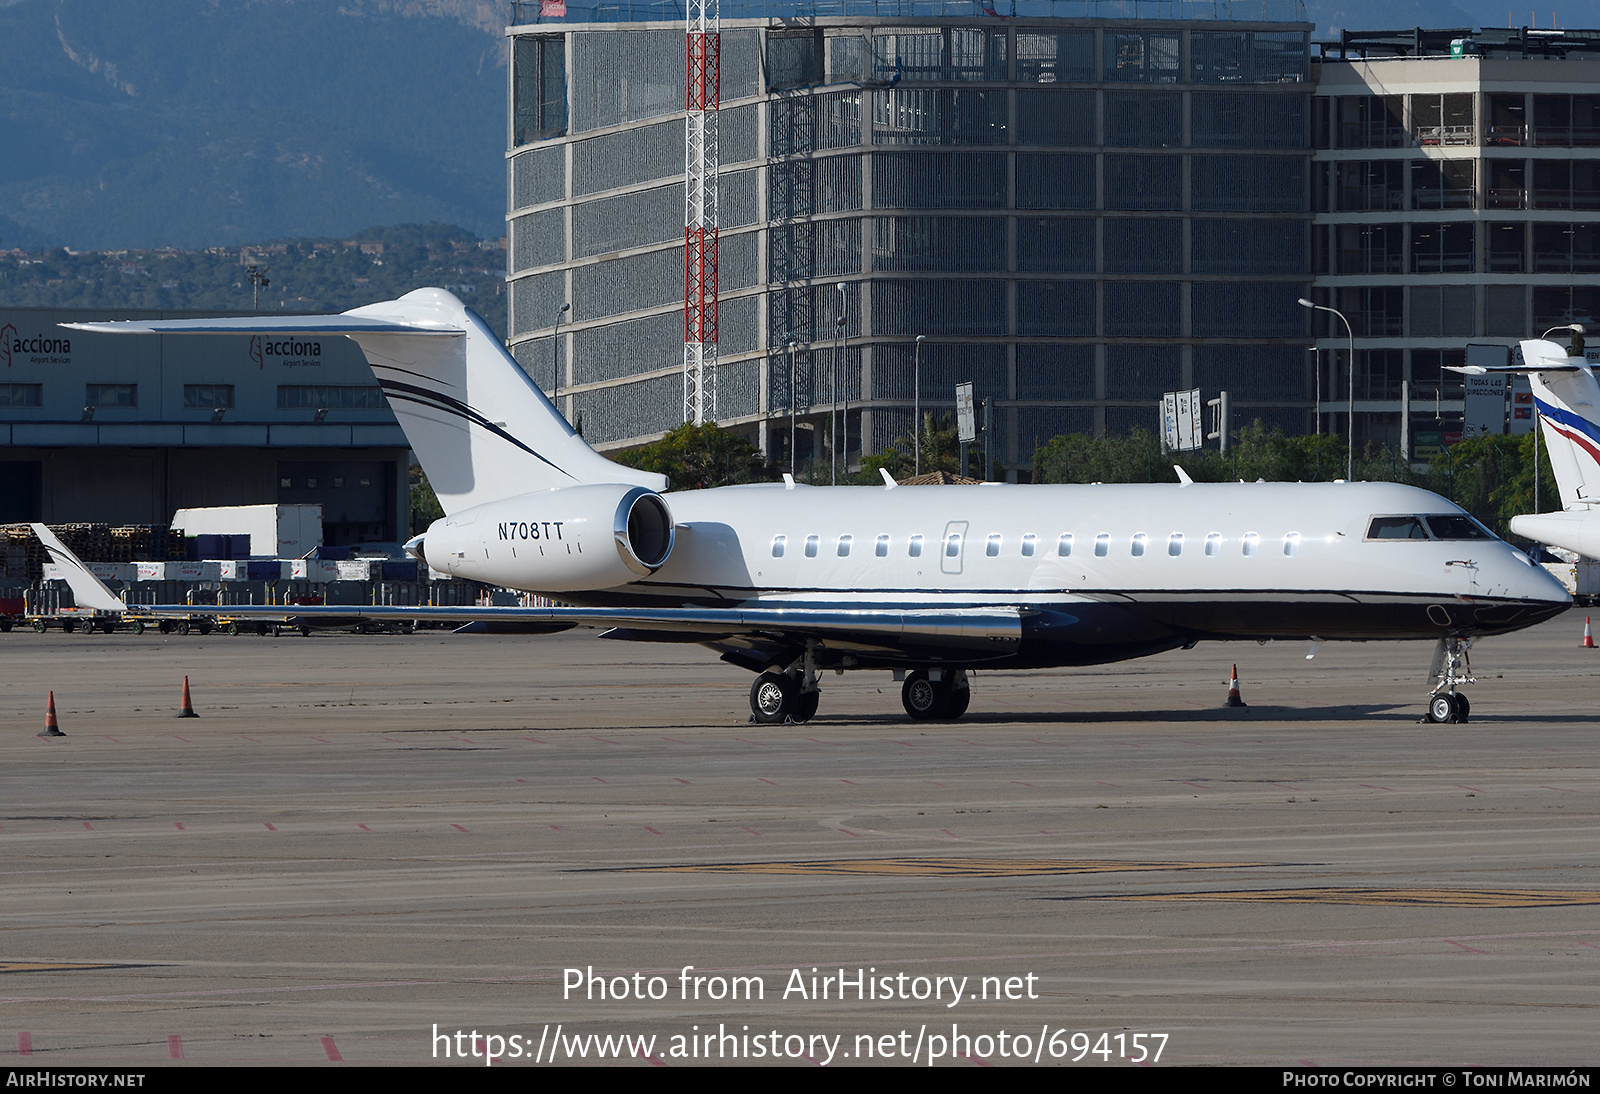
1567,397
88,591
480,426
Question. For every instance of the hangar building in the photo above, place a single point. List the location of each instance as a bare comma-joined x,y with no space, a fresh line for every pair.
127,430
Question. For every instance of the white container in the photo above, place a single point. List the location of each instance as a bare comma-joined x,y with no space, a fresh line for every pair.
224,570
275,531
354,569
111,571
318,570
150,571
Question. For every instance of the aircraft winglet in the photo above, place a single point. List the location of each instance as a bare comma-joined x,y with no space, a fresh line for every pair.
87,590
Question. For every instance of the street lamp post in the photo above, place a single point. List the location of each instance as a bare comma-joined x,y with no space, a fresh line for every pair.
1350,399
555,358
839,323
838,353
793,429
916,402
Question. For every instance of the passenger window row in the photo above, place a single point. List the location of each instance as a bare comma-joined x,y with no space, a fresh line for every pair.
1250,544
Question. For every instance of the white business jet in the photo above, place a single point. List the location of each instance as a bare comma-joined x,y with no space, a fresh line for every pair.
1566,397
788,581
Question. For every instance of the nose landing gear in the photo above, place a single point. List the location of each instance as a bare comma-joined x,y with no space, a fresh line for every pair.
1451,667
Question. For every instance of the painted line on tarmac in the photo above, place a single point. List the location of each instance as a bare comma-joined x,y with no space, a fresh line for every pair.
949,867
1421,898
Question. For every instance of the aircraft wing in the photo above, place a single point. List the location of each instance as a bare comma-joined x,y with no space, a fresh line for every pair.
992,630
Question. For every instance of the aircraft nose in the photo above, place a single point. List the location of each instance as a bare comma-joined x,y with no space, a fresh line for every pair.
1530,581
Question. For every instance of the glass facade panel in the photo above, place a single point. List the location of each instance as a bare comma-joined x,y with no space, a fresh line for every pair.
1059,116
1148,119
1247,309
539,91
938,180
1064,181
1143,245
1234,119
1144,182
631,220
538,176
1055,309
1144,309
1248,184
1055,244
627,157
1142,372
620,78
1253,246
1251,372
975,244
1064,57
909,308
939,116
802,188
1055,372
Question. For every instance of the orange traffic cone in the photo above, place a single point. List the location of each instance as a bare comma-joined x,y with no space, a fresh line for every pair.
1234,699
1588,635
187,710
51,728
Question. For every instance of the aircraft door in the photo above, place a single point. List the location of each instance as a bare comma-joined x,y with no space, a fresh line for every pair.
952,547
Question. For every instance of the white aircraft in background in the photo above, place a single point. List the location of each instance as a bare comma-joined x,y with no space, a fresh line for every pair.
788,581
1566,398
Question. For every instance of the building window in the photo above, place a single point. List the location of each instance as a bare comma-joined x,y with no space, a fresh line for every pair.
1506,120
541,89
794,59
330,397
1442,119
21,394
110,394
1443,248
1560,248
1370,121
1442,184
1566,121
1141,57
208,396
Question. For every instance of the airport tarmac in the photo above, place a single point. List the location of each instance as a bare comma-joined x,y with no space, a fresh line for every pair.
363,838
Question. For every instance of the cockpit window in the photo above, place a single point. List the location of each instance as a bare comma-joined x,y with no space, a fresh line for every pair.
1457,526
1449,526
1397,528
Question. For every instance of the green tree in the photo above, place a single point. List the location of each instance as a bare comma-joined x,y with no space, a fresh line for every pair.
425,507
941,451
698,457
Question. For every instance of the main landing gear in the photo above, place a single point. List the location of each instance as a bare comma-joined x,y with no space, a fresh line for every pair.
1450,667
791,695
788,696
936,694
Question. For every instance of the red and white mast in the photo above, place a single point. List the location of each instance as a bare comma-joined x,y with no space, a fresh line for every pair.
702,96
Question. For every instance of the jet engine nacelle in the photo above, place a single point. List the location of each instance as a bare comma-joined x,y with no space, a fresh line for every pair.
570,539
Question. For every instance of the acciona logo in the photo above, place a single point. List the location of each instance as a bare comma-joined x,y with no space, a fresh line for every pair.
41,349
287,351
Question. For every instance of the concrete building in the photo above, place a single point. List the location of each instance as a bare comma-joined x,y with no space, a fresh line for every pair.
1079,207
126,430
1457,200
